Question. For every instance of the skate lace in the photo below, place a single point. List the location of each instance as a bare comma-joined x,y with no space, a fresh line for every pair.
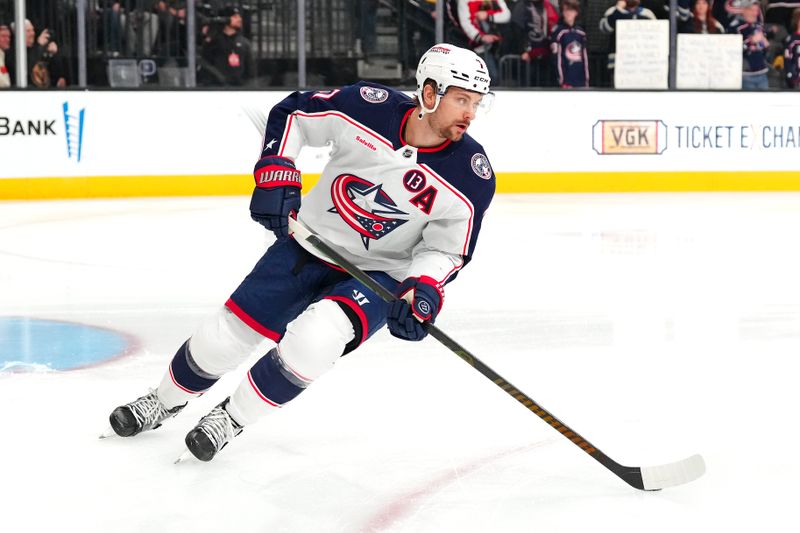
148,409
218,426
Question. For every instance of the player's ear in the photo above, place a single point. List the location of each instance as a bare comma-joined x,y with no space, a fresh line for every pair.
429,95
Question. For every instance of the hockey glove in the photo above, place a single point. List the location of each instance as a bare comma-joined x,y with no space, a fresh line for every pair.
418,300
277,194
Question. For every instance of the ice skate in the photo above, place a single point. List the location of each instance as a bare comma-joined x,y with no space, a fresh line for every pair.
141,415
212,433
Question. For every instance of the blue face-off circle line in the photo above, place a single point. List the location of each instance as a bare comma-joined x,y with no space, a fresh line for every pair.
28,343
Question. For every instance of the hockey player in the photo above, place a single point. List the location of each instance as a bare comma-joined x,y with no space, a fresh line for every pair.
402,197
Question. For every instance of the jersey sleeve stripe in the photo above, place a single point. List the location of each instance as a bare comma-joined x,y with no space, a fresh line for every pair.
453,270
326,95
286,131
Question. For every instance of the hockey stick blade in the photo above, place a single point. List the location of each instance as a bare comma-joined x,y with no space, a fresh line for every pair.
672,474
642,478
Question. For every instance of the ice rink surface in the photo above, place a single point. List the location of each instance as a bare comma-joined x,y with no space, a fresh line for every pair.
658,326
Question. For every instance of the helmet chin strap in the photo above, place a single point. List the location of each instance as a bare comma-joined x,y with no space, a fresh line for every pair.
425,109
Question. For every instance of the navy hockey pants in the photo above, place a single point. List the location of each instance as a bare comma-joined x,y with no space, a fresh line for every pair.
287,279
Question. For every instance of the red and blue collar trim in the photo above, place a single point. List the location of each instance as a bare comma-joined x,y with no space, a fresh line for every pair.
403,142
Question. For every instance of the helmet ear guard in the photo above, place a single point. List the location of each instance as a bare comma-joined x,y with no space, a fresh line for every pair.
420,92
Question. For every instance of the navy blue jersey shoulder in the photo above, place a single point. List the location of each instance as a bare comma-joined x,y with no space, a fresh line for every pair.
466,167
375,106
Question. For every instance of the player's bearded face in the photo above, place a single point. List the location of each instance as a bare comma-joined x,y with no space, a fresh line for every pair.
455,113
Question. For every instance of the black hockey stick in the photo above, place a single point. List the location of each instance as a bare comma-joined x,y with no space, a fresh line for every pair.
643,478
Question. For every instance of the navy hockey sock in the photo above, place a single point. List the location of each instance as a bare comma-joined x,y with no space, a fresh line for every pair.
187,375
273,381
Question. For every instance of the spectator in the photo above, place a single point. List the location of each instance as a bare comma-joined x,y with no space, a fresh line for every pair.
780,12
477,20
684,14
536,19
791,53
684,11
776,32
777,18
755,45
5,37
568,44
171,27
726,11
623,10
140,28
46,68
660,9
702,20
720,13
5,44
112,23
227,57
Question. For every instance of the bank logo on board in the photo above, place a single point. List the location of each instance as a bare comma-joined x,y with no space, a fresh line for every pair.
73,130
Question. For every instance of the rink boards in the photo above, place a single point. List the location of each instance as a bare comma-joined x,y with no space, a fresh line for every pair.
67,144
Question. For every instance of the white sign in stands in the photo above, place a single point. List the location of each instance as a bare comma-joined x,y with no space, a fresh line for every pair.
642,56
709,61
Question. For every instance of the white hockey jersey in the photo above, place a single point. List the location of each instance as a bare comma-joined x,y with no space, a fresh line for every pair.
386,205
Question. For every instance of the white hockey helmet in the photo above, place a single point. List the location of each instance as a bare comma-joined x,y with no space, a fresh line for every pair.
451,66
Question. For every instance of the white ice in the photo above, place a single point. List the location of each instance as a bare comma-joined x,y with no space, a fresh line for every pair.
658,326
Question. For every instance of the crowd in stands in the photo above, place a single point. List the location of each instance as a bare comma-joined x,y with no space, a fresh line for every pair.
46,67
535,43
539,40
136,29
550,41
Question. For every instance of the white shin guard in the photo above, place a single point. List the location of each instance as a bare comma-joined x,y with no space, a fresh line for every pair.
222,342
219,345
312,344
315,340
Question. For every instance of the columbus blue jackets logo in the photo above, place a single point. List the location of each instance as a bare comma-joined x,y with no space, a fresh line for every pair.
374,95
480,165
365,207
574,52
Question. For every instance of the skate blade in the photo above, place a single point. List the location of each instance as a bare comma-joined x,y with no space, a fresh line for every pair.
107,433
183,457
